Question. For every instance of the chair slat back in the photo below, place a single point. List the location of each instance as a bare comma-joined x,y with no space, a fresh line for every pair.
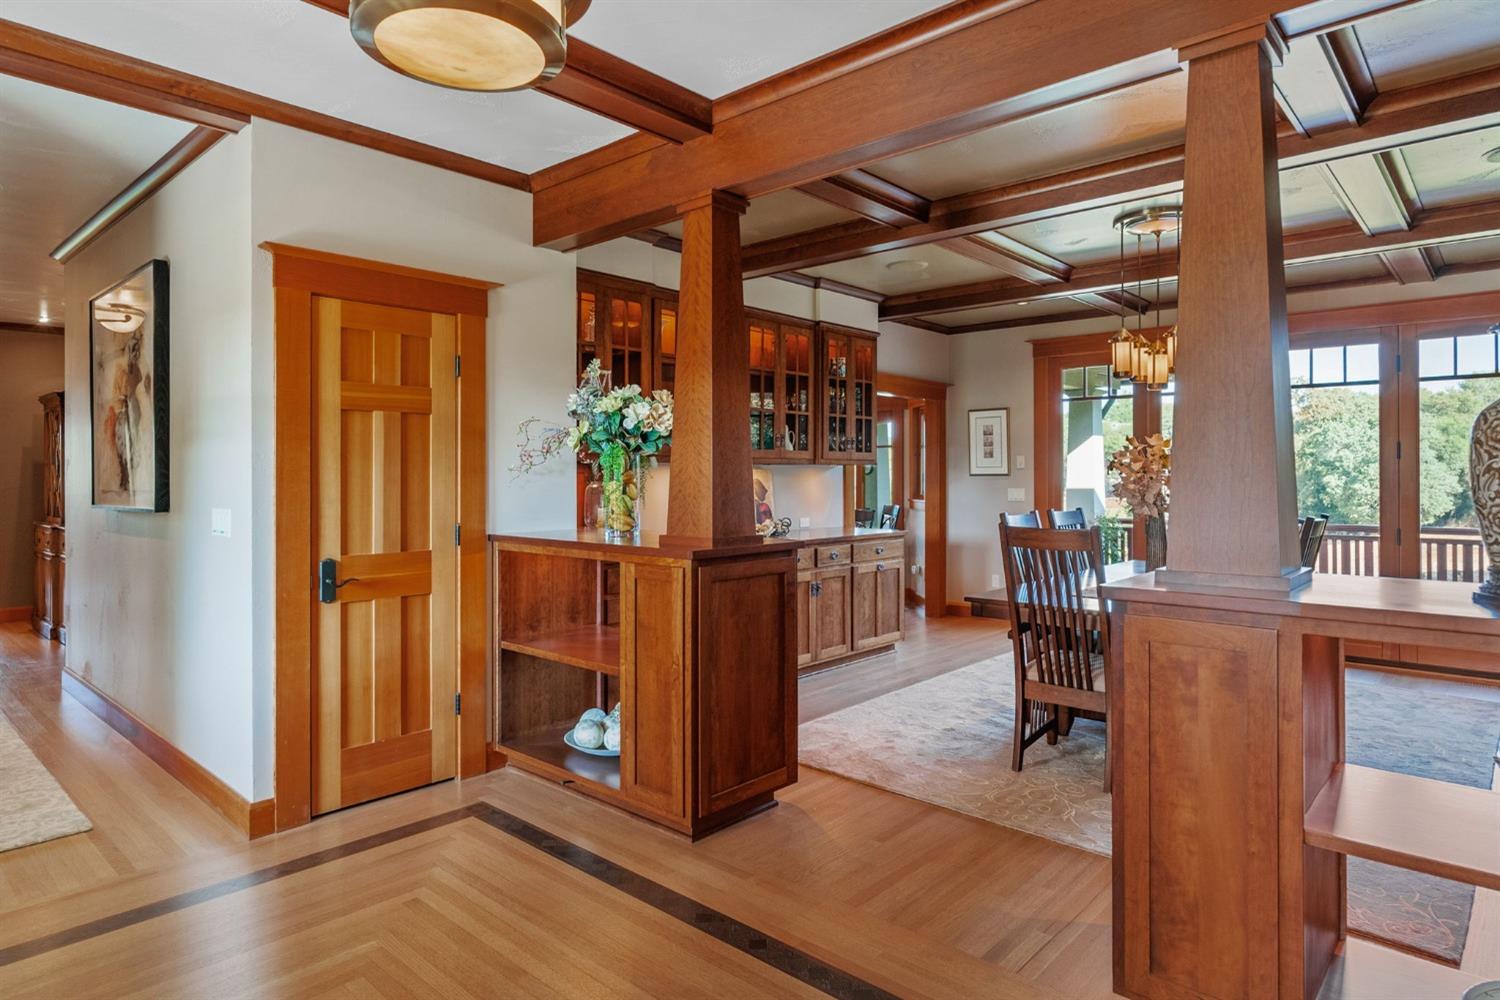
890,515
864,517
1031,519
1067,519
1047,572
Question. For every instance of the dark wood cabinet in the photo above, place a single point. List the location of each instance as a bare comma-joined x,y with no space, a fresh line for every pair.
846,432
832,635
811,391
851,594
878,596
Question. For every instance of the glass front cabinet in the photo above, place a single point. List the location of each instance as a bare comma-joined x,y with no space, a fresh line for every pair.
811,392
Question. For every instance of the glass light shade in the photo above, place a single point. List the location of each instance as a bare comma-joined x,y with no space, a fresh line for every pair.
1121,349
485,45
1158,373
1170,343
117,317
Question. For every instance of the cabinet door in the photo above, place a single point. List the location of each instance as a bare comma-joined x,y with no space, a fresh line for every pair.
890,599
830,609
833,374
861,394
591,333
652,734
865,605
627,319
805,620
798,394
763,394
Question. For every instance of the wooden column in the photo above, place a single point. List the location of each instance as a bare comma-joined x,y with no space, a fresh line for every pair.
710,491
1234,503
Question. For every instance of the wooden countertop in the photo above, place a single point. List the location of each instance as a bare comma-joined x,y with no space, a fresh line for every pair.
593,544
829,536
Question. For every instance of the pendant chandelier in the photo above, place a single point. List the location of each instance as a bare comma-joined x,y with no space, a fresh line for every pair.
486,45
1132,354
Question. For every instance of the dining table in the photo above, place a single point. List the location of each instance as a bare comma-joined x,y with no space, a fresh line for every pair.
995,603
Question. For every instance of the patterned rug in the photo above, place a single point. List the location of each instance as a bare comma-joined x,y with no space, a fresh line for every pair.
947,740
33,806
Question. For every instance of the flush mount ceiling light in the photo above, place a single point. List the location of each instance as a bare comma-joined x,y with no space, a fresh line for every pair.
487,45
119,317
907,266
1493,156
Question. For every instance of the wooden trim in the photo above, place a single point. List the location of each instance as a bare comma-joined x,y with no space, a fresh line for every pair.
607,85
18,614
961,609
1011,257
94,72
193,145
8,327
297,274
875,198
1083,343
1381,314
256,819
377,281
911,387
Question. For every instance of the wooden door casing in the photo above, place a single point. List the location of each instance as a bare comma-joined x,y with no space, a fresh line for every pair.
386,507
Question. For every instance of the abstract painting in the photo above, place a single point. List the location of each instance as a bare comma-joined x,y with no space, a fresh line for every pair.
128,390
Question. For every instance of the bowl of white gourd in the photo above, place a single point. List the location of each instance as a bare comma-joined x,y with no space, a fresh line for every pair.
596,733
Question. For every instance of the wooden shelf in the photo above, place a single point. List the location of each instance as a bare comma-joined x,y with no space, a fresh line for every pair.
592,647
1415,823
545,752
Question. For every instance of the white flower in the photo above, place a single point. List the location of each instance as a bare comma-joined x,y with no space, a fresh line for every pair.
610,403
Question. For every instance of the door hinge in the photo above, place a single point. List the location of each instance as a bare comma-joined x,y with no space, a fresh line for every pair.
458,704
458,366
1398,536
1398,451
1398,364
457,534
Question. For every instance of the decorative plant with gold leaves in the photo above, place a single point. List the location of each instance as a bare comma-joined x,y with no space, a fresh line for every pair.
1144,469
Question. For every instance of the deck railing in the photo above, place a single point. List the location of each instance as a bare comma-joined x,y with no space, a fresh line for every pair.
1446,553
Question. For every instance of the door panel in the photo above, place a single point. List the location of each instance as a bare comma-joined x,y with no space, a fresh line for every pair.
806,624
831,608
385,443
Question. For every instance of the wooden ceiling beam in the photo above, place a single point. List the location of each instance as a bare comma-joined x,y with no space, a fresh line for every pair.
94,72
1011,257
1411,265
1058,52
1375,190
1393,119
667,241
1434,228
872,197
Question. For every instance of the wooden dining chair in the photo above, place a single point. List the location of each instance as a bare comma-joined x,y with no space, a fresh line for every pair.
890,515
1067,520
864,517
1313,530
1060,656
1030,519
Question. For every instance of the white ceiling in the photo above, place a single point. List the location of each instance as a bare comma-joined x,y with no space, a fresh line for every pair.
943,267
301,54
1431,40
62,157
715,47
779,214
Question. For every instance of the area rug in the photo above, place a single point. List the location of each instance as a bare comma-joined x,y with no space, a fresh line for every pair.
33,806
947,740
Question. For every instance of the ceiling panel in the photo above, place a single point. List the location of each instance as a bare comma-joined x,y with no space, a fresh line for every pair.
718,47
1344,269
1454,169
1140,118
1429,41
999,314
943,268
779,214
1471,251
62,157
1307,200
301,54
1085,237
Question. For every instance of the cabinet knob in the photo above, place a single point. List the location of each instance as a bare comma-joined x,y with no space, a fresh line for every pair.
880,550
880,567
833,557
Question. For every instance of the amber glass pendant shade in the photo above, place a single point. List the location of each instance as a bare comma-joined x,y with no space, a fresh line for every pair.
1121,351
484,45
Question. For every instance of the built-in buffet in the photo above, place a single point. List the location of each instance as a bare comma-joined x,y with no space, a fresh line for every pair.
851,588
695,646
811,397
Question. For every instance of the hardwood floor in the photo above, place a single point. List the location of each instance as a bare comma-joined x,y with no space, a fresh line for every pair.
841,890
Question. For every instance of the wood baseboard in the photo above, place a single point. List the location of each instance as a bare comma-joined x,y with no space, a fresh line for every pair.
960,609
21,614
256,819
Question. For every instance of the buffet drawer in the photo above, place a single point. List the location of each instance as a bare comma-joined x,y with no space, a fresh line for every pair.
805,557
833,555
875,549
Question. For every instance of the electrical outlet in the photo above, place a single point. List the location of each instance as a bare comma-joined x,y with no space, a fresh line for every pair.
219,523
1016,494
1020,462
995,580
804,522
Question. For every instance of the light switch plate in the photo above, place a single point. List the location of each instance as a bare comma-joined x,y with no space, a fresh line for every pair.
1020,462
804,522
1016,494
221,522
995,580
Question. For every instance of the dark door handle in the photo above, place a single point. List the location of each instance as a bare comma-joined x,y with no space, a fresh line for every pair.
329,582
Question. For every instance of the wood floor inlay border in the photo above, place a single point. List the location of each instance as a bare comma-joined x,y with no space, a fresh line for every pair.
742,937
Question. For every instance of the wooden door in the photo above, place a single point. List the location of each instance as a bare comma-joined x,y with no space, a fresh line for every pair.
386,508
806,624
830,609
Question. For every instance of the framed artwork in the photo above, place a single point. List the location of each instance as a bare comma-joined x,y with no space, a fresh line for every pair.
128,391
989,442
760,482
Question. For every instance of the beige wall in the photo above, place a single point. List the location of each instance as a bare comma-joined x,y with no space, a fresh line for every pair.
30,364
159,609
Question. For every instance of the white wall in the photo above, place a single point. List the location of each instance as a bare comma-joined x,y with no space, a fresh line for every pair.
31,364
906,350
316,192
994,369
159,609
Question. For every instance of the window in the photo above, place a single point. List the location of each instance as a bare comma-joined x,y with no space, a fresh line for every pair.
1458,376
1098,414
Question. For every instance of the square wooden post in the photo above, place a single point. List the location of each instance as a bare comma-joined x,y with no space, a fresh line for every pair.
1234,489
709,497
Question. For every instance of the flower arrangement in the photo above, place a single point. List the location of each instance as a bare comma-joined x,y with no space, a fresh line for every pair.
612,430
1144,468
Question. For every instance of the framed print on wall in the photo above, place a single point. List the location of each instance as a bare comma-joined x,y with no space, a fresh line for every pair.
989,442
128,391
